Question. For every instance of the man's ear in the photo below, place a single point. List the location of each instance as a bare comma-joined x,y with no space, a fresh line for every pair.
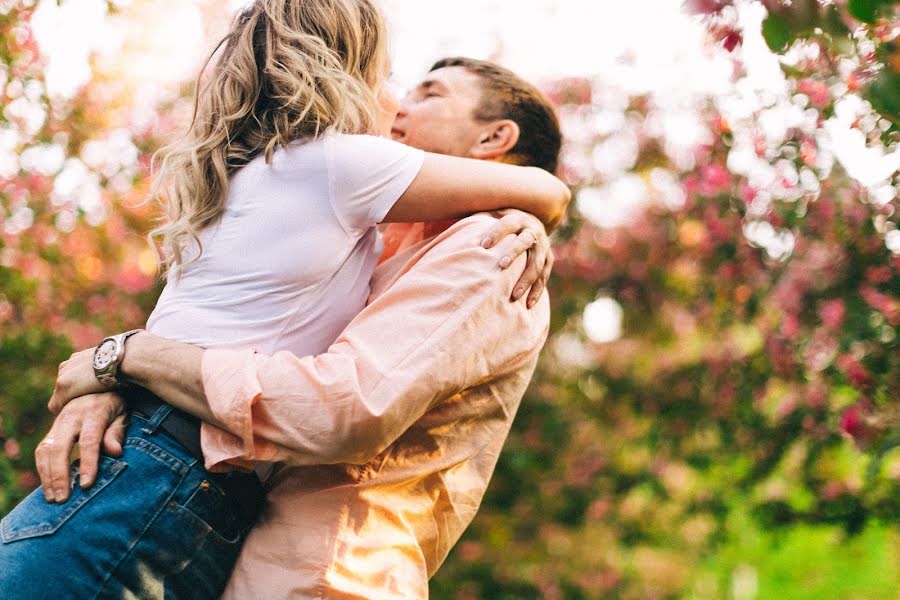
495,140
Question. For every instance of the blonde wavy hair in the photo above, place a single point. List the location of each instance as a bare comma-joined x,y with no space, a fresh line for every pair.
287,70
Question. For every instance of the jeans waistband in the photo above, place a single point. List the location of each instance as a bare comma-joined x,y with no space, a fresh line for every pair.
244,489
183,427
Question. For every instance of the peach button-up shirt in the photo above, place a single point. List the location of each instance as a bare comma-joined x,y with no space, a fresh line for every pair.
387,442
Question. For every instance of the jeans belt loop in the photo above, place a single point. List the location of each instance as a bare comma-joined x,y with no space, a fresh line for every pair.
156,420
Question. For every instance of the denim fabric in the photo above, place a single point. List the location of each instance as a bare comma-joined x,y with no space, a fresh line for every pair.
154,525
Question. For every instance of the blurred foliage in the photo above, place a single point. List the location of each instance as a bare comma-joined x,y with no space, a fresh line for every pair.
74,263
739,439
858,38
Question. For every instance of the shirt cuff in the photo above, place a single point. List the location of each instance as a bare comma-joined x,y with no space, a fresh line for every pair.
231,388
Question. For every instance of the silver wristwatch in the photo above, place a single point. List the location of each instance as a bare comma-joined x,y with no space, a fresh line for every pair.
108,356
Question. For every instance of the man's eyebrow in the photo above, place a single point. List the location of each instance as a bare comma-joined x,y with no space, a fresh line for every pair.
432,83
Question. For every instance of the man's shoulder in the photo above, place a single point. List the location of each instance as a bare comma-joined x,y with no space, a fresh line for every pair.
478,222
460,244
454,268
463,232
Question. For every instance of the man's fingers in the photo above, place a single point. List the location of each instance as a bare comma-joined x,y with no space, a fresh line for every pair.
538,288
92,431
114,436
58,461
508,225
517,247
528,277
531,278
42,464
52,457
55,404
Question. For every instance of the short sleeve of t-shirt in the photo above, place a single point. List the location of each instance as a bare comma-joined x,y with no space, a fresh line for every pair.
367,175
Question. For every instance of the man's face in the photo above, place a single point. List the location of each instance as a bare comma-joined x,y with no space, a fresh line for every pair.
437,115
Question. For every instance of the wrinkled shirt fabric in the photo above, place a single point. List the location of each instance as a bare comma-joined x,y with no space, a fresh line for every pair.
386,443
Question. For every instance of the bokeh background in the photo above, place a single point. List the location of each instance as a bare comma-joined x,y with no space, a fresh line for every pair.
717,411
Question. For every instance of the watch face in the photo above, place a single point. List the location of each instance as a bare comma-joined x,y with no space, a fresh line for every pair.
105,354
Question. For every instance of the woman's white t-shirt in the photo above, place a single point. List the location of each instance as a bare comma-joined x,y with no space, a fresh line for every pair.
288,265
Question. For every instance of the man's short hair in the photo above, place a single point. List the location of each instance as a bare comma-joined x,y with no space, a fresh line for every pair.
505,95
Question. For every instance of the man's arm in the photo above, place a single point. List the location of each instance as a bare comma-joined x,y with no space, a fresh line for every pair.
444,326
441,328
171,370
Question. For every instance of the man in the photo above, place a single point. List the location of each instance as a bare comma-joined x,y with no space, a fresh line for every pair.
385,444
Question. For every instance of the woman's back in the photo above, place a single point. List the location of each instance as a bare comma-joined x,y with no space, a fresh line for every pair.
288,265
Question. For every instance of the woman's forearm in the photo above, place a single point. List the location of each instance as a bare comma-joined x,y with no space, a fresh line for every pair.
449,187
553,204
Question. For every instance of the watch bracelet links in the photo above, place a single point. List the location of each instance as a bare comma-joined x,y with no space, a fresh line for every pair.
109,380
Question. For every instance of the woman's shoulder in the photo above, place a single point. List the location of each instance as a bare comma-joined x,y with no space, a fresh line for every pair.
357,145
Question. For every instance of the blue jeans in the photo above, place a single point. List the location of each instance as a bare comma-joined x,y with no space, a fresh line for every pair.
155,524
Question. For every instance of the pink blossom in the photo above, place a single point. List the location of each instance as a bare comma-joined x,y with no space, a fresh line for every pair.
85,336
818,92
821,350
732,40
703,7
747,192
470,551
599,509
571,90
816,395
28,480
808,151
832,312
854,370
714,179
786,406
134,281
790,326
833,490
880,274
883,303
781,357
858,423
11,448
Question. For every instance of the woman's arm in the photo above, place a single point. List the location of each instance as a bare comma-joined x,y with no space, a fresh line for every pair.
449,187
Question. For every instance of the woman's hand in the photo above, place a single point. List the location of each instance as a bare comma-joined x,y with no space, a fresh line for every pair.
94,421
530,237
75,379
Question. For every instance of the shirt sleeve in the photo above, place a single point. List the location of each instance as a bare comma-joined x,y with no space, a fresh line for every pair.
444,326
366,176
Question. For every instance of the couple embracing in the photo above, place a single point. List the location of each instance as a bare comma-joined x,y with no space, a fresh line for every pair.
321,394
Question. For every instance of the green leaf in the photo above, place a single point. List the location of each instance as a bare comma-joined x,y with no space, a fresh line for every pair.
832,24
864,10
884,94
777,32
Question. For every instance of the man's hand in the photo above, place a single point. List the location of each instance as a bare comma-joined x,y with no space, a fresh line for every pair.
75,379
93,421
530,237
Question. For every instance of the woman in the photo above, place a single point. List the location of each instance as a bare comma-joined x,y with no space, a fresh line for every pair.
273,203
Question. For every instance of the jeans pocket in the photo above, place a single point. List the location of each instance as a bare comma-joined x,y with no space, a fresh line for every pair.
35,517
210,513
